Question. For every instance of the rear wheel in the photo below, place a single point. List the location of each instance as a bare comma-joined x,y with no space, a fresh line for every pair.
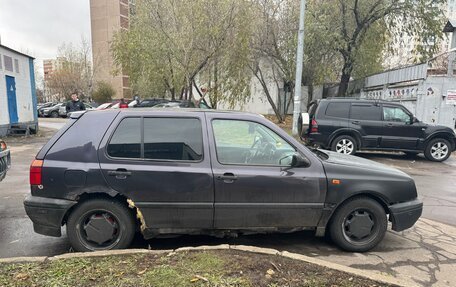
358,225
100,224
344,144
54,114
438,150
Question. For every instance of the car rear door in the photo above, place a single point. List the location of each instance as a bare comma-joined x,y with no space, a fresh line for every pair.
399,131
367,120
254,185
161,163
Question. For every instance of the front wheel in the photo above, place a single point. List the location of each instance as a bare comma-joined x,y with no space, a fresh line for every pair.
100,224
54,114
358,225
344,144
438,150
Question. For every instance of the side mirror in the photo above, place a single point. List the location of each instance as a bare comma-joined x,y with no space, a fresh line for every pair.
299,161
415,120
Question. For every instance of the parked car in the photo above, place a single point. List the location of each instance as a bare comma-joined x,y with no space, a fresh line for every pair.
104,106
5,159
52,111
63,112
349,125
206,172
181,105
43,106
147,103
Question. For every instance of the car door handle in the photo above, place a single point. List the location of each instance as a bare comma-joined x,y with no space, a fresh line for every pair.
227,177
120,173
355,122
389,125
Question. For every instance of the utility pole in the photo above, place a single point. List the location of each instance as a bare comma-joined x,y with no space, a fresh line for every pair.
299,60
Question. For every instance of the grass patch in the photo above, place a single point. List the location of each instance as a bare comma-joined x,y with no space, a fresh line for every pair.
211,268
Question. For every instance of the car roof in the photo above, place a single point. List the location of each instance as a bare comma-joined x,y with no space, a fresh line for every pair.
142,111
357,100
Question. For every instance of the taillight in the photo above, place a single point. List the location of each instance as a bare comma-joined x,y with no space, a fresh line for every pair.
314,126
35,172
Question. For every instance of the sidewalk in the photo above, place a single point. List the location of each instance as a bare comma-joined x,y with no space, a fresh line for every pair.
424,255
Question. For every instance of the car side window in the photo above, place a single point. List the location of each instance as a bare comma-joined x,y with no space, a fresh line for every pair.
250,143
126,140
338,110
395,114
365,112
173,139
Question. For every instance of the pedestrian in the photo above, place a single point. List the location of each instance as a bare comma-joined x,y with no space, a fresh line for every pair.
74,104
123,104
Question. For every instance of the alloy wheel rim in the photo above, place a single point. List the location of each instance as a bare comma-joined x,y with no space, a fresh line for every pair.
344,146
439,150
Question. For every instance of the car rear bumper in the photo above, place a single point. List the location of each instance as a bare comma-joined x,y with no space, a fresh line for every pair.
315,139
5,163
47,214
404,215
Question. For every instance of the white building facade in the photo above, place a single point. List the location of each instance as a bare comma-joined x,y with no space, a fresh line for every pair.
17,92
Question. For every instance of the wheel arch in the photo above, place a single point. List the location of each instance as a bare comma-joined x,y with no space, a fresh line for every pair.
366,194
440,134
349,132
84,197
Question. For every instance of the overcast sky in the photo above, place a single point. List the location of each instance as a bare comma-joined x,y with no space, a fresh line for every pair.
39,27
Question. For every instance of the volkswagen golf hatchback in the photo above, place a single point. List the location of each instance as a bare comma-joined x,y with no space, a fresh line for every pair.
109,174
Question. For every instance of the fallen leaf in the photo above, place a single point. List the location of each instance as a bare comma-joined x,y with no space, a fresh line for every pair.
270,272
350,279
194,279
202,278
21,276
142,272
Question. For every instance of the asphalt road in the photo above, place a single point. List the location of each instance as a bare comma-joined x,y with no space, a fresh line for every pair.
435,182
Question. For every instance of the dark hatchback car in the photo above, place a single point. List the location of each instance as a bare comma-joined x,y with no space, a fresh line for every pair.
170,172
349,125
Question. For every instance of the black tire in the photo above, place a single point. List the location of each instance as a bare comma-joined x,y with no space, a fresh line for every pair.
364,208
113,214
351,142
54,114
431,154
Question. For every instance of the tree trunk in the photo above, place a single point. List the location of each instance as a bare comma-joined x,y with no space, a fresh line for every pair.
214,104
259,76
345,79
310,92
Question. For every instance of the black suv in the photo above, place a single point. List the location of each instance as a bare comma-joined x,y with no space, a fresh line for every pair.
349,125
169,172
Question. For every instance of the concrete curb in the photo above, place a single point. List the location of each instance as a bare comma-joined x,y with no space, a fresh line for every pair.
252,249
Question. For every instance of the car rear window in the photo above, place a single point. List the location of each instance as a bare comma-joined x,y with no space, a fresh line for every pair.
338,110
366,112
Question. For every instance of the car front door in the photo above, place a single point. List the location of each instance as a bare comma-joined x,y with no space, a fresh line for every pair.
255,186
367,120
399,130
162,165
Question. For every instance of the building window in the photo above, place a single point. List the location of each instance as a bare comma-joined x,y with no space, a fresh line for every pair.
16,65
8,63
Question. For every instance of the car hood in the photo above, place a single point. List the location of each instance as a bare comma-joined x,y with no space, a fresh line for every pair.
360,163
